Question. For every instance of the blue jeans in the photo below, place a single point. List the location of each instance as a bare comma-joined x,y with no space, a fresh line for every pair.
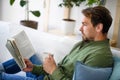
5,76
11,67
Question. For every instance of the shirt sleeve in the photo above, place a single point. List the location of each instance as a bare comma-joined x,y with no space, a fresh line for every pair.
59,74
38,70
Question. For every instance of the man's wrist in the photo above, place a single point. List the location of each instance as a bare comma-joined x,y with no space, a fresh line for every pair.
52,70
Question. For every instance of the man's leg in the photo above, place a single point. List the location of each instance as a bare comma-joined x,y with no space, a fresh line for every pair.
1,68
11,66
5,76
35,60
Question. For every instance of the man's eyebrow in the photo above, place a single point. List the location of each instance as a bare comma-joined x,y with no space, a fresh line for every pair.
84,23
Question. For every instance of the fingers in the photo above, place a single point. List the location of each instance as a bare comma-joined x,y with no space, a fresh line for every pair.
29,65
49,64
26,60
51,55
49,58
27,70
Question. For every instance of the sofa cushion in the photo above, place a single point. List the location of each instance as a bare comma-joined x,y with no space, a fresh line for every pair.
116,69
4,34
83,72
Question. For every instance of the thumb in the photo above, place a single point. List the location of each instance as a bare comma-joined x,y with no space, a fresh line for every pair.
50,55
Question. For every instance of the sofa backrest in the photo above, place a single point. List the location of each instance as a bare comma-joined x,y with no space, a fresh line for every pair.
115,51
4,34
116,68
84,72
42,42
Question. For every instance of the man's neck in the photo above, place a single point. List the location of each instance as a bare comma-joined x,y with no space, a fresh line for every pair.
100,37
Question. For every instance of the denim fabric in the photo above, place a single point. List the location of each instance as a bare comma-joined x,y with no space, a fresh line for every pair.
1,68
0,75
6,76
11,67
35,60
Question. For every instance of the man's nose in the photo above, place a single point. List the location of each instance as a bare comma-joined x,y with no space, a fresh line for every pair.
81,28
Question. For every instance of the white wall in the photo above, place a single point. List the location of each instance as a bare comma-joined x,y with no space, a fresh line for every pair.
113,13
56,15
16,13
118,45
76,14
11,13
0,8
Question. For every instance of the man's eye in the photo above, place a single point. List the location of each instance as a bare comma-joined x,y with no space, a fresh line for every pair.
84,24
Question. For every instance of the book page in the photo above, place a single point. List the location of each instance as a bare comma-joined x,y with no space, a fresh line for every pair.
23,44
11,46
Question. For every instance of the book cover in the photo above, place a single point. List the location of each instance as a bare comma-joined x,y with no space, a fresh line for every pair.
20,47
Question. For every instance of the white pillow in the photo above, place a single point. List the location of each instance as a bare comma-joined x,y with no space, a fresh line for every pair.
4,34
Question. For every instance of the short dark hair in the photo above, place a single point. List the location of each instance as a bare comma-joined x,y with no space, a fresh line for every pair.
99,14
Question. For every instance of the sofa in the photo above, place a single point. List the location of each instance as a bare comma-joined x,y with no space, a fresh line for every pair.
59,46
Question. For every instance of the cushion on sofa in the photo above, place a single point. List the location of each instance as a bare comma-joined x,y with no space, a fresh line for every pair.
83,72
4,34
116,69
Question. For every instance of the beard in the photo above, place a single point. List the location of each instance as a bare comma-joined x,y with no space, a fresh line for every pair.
86,39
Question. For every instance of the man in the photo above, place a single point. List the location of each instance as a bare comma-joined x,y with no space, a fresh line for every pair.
93,51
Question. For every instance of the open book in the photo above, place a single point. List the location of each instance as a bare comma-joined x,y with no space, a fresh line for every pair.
20,47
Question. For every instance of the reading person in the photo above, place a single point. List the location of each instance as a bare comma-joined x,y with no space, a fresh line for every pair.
93,51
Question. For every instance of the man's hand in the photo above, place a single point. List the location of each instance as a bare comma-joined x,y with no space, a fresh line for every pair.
29,65
49,64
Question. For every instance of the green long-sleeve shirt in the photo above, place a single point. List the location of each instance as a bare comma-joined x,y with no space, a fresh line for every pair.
92,53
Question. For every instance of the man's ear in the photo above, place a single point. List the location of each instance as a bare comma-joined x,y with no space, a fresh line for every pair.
99,27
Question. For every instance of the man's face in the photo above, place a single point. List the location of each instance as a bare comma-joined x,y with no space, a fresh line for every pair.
87,29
